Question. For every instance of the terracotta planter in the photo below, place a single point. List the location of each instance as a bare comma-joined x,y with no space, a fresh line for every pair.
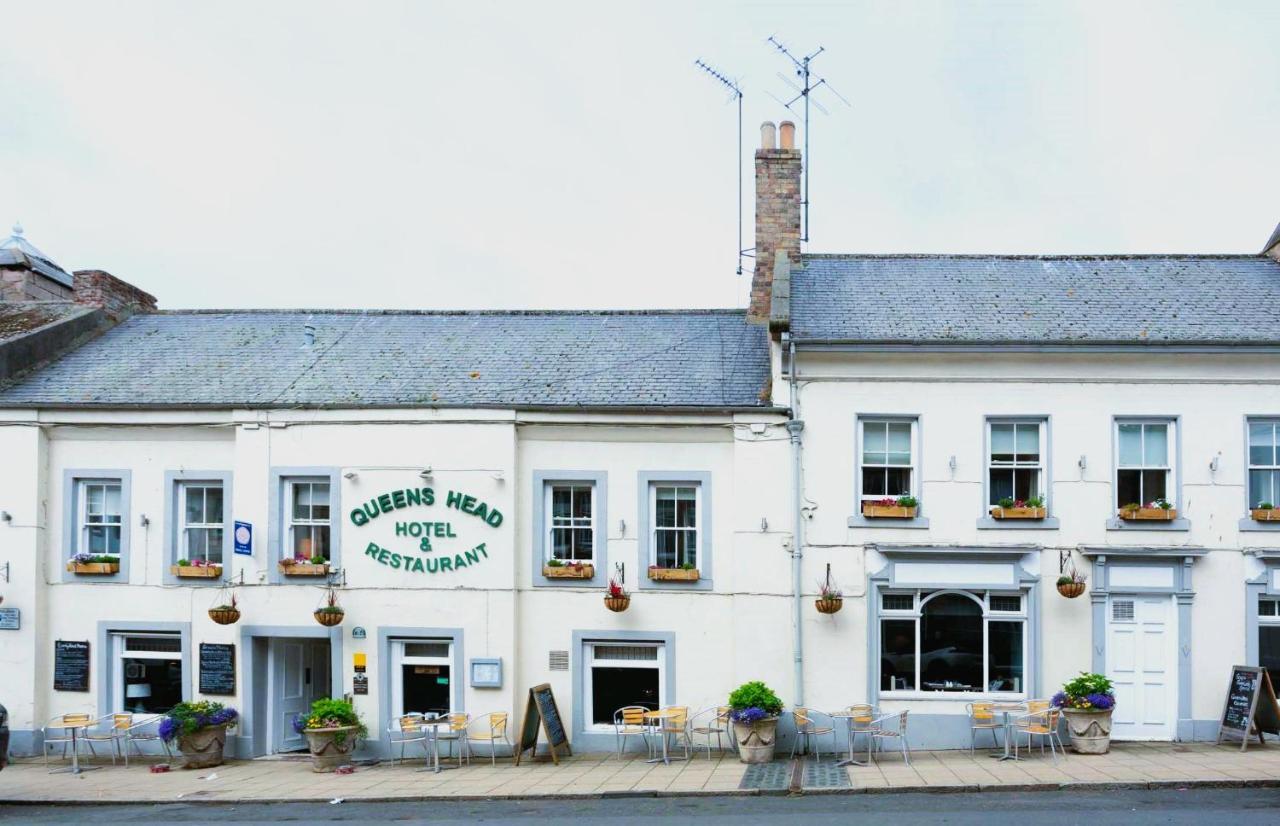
330,747
674,574
1071,590
303,569
224,616
1018,513
196,571
755,740
617,604
329,618
203,750
583,571
92,568
1149,514
1090,730
888,511
829,606
1265,514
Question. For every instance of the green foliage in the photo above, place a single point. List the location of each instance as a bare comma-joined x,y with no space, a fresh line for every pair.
183,563
554,563
333,713
1087,684
907,501
1005,502
319,560
755,694
1266,506
1035,502
688,566
1065,580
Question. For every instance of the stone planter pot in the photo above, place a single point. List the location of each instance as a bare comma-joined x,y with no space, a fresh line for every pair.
1090,730
755,740
203,750
331,747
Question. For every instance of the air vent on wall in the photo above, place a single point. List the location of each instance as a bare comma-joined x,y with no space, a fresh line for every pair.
1122,610
559,661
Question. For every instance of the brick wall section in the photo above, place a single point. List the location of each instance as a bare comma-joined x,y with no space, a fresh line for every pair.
777,220
21,284
117,298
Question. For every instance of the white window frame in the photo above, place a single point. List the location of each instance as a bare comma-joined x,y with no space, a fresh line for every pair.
1250,467
399,659
660,663
121,652
983,597
1171,459
83,525
1042,489
550,525
913,465
698,521
184,527
293,523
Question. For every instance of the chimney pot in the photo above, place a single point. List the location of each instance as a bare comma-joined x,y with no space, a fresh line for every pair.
768,135
787,132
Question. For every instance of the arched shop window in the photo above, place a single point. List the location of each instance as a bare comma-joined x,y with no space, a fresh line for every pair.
952,641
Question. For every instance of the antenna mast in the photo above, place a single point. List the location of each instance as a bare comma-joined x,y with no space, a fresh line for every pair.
803,93
732,86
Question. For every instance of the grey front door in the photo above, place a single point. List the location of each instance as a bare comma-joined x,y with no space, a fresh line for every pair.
291,677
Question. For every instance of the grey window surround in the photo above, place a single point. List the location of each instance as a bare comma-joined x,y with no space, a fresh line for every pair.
1247,524
986,522
645,479
277,519
108,703
600,480
173,480
459,675
1114,522
71,478
1259,586
857,520
602,741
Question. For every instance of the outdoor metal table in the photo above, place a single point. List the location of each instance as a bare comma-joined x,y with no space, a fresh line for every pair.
658,717
75,767
849,717
434,725
1006,709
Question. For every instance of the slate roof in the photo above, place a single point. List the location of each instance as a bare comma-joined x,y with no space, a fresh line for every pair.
21,317
989,299
684,359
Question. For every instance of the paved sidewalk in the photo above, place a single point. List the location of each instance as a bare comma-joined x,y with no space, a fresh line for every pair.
291,779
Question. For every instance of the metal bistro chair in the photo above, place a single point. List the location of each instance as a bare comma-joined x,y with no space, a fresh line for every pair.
406,729
676,725
863,715
125,729
57,732
1042,723
495,723
715,723
879,734
808,731
982,717
459,722
629,721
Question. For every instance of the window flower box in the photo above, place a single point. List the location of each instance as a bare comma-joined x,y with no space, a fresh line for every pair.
673,574
1150,513
580,570
1265,513
1018,513
182,569
292,567
904,507
93,565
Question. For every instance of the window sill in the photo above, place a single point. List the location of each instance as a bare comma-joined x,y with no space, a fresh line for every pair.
1248,524
1115,523
860,521
987,523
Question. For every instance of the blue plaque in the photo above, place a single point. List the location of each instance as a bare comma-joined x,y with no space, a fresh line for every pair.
244,538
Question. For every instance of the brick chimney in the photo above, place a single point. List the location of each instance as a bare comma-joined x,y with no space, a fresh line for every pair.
777,211
118,299
1273,244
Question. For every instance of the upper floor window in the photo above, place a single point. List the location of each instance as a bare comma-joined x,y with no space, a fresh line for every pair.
201,521
1144,463
101,520
888,458
1264,463
1015,461
308,519
571,521
675,524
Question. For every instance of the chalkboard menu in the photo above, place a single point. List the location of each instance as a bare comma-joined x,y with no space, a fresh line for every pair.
1251,706
217,668
542,712
70,665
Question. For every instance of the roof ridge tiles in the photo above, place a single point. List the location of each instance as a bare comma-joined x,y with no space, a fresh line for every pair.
726,311
1215,256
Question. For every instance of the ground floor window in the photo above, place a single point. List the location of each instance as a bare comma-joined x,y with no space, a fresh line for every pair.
622,674
1269,634
953,641
422,676
148,672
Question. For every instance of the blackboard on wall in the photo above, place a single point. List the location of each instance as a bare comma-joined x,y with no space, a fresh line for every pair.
541,712
1251,706
70,665
217,668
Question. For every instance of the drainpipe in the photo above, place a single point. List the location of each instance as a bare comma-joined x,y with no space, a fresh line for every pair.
795,425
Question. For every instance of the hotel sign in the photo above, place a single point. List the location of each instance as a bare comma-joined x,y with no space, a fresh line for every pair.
424,546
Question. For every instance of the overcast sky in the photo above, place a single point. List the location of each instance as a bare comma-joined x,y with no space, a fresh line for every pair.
528,155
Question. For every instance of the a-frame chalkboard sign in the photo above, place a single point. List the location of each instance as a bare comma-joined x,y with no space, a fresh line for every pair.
1251,706
541,712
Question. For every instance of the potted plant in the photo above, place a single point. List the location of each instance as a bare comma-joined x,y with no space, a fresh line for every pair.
1071,584
903,507
225,612
1087,703
1010,508
1265,512
200,729
1161,510
196,568
329,613
559,569
616,598
684,573
754,710
93,564
332,730
304,566
830,597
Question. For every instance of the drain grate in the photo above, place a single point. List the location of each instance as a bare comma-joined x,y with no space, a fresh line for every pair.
819,775
775,776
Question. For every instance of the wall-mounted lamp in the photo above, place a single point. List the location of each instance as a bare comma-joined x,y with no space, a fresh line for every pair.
350,474
144,521
1082,462
499,476
5,516
764,525
425,473
951,463
1213,463
622,527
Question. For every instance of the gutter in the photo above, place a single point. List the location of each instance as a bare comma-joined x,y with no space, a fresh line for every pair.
795,426
854,345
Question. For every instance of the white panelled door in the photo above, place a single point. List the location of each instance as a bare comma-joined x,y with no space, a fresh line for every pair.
1142,663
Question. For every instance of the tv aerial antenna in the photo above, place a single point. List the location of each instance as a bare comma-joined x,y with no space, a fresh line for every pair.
809,83
735,93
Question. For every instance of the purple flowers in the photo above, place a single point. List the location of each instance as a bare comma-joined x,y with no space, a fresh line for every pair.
750,716
1101,702
1088,692
186,719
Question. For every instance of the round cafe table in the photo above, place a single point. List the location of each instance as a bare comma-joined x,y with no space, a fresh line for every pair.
1006,709
849,717
658,718
434,725
75,767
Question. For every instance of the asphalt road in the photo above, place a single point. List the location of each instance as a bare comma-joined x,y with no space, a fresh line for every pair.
1132,808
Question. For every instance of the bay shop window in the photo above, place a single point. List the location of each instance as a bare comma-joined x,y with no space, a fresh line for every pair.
622,674
953,641
147,670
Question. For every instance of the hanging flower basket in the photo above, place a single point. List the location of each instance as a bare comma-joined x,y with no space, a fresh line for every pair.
1070,589
616,598
225,614
617,604
329,613
829,605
